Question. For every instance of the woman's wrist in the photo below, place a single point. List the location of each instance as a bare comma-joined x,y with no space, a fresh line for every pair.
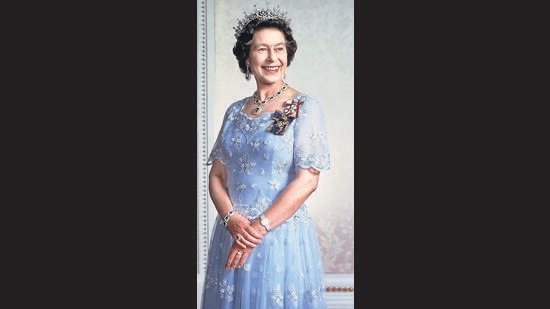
265,222
226,218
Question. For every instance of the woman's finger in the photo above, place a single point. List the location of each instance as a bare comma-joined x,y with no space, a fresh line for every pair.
233,259
248,240
239,239
243,258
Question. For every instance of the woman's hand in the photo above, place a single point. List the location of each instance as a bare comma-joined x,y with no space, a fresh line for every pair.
237,256
244,234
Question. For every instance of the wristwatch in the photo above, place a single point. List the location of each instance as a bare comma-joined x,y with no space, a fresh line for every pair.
265,222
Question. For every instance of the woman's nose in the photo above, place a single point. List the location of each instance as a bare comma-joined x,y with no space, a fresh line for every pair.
271,55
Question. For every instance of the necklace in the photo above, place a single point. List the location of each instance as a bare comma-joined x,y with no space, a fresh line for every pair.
261,104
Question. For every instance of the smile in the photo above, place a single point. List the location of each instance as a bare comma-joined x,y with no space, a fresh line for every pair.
271,68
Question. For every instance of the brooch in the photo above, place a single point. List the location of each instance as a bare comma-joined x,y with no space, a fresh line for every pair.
281,120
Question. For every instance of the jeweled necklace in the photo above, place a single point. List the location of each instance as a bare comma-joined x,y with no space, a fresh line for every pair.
261,104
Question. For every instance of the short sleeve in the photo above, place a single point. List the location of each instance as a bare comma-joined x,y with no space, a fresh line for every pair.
311,137
217,153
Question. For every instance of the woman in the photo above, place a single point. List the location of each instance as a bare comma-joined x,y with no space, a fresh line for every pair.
266,162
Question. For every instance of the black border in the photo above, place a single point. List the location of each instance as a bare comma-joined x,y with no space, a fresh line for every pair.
445,154
109,159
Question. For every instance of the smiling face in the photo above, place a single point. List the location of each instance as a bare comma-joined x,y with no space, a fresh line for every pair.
268,56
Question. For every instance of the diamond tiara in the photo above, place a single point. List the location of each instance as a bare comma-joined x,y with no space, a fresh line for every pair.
261,14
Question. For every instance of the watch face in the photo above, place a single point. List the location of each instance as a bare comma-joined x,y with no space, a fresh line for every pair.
263,221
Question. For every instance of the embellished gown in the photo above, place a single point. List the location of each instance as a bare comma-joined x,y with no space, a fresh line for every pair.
285,270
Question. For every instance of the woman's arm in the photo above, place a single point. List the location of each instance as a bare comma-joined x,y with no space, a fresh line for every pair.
288,202
291,198
237,223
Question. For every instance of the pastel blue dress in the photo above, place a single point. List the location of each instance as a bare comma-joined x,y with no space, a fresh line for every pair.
285,270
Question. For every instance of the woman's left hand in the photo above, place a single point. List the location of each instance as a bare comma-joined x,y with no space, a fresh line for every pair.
242,231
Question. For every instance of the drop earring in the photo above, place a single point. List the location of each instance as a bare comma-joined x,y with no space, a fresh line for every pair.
247,74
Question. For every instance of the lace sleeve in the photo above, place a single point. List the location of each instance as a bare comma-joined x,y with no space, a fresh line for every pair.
310,137
217,153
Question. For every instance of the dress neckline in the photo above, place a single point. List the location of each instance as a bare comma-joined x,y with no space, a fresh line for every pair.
262,114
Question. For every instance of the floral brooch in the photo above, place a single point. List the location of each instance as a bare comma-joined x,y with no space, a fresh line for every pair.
281,120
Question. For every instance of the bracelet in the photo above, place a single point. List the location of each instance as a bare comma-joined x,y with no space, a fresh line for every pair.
265,222
226,218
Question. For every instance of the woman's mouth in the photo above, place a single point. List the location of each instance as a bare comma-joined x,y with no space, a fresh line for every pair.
271,68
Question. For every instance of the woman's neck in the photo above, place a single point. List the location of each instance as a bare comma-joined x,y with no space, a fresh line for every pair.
264,91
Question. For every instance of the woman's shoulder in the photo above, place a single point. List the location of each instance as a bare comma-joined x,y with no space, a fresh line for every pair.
308,101
302,96
307,98
310,108
236,105
239,102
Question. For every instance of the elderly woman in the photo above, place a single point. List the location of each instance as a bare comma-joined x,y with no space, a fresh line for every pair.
266,162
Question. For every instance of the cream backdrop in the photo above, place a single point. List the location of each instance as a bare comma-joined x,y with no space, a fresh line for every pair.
324,68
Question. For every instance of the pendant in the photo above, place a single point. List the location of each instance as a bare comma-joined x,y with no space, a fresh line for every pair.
256,110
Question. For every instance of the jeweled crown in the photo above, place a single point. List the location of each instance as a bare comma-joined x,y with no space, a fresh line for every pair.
266,13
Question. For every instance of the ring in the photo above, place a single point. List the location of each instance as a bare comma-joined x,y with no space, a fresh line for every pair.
239,236
239,253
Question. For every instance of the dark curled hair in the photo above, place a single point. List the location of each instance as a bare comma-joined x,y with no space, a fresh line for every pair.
241,50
